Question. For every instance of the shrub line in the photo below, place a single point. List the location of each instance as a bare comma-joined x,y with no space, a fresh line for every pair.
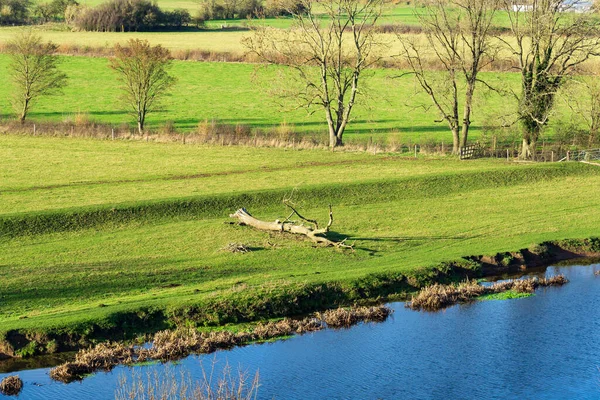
16,225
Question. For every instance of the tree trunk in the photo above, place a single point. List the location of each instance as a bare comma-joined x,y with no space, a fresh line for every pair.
334,141
466,124
332,138
455,140
24,112
528,149
313,233
141,127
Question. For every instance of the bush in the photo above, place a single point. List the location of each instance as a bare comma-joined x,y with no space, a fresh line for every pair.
229,9
14,12
177,18
53,11
283,8
129,16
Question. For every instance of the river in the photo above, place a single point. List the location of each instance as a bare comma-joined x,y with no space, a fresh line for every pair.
542,347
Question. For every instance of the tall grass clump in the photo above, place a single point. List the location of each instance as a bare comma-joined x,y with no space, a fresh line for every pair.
167,384
346,317
11,386
438,296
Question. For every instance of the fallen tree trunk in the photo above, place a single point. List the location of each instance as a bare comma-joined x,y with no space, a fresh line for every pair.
313,233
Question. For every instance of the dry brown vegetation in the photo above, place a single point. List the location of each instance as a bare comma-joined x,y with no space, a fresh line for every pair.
172,345
199,55
345,317
166,385
11,385
438,296
217,134
208,132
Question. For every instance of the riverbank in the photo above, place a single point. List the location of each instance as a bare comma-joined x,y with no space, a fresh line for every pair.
387,288
403,352
113,240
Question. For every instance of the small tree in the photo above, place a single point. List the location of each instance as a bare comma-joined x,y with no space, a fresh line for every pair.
142,70
582,96
549,44
458,37
329,54
33,69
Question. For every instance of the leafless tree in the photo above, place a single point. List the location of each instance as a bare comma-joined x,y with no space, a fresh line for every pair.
34,71
582,96
549,43
328,52
459,38
143,72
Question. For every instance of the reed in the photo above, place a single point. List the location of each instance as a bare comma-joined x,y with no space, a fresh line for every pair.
167,384
346,317
438,296
11,385
170,345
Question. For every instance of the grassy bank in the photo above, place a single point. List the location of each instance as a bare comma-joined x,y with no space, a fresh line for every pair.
101,237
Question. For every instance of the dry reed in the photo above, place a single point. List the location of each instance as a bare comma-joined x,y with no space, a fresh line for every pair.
438,296
345,317
11,385
169,345
166,384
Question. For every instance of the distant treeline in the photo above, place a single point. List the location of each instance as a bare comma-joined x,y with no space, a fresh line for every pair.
240,9
22,12
138,15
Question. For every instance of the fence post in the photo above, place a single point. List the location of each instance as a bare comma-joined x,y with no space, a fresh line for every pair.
415,151
552,156
34,129
507,157
568,155
112,134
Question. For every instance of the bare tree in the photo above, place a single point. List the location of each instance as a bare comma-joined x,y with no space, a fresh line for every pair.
582,96
143,72
328,53
549,43
459,38
34,71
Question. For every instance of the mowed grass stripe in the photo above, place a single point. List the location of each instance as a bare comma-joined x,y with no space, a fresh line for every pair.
341,194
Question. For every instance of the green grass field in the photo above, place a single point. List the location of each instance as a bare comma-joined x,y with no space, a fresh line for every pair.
92,229
234,93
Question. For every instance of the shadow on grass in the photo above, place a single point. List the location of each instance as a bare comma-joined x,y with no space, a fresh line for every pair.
399,239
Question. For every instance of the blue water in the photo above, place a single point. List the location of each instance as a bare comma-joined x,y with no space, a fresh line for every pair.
542,347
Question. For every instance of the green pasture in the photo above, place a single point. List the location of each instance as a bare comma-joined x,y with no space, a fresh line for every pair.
234,93
123,226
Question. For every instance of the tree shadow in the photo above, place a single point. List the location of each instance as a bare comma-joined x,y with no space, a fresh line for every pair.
399,239
71,113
